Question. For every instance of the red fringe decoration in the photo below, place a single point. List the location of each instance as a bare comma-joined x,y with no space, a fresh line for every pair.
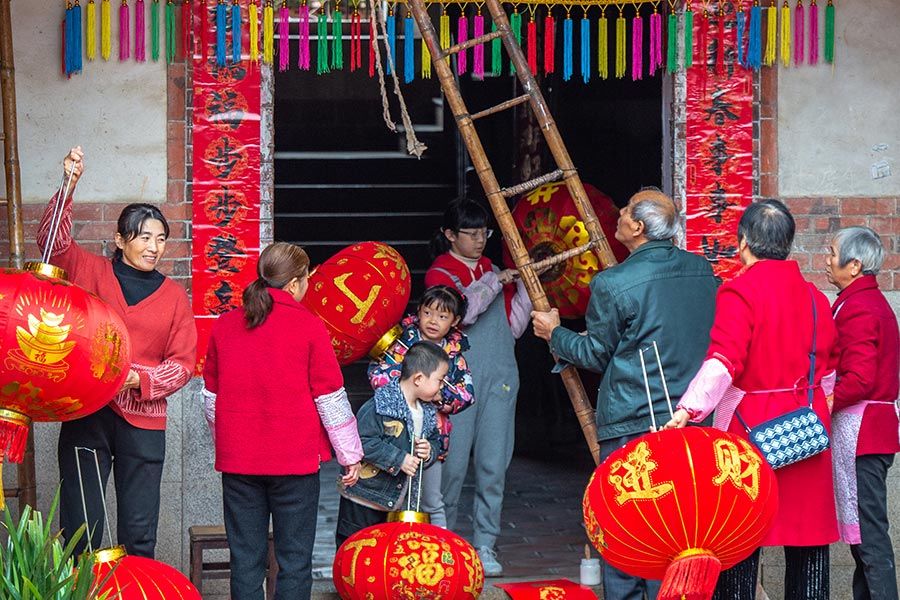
549,42
204,34
532,47
690,578
187,47
355,42
373,39
720,44
13,436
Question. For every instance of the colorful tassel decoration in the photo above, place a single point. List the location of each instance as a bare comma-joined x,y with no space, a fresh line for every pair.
637,47
105,30
567,48
585,48
253,17
236,33
355,40
720,43
409,48
426,59
154,30
221,32
754,44
603,45
187,30
496,54
771,33
303,52
688,38
337,40
373,39
391,40
140,54
799,33
620,46
740,27
549,42
672,43
284,38
68,40
322,43
813,33
703,41
444,30
462,35
477,51
515,24
171,44
124,32
786,34
531,43
268,33
655,41
829,32
65,58
77,44
90,35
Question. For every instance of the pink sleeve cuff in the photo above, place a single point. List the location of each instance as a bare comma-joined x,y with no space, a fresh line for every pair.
479,296
340,425
828,382
706,390
520,311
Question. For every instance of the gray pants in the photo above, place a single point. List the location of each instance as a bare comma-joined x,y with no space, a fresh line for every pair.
432,498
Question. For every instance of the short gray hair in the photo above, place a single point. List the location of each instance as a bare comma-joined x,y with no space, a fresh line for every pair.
862,244
659,224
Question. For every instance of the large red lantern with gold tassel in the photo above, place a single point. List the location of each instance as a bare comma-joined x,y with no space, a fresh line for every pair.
549,224
63,353
360,293
136,578
681,505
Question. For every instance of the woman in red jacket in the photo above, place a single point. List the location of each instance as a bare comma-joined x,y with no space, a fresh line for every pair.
865,427
275,399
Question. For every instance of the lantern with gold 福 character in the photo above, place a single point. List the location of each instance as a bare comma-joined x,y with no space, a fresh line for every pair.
360,293
549,224
63,353
681,505
127,577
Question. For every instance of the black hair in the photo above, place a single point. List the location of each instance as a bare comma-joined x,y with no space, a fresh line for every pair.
422,357
132,218
768,228
462,213
446,298
278,265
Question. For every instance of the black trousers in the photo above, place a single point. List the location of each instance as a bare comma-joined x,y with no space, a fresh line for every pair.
353,517
136,458
292,501
875,577
806,574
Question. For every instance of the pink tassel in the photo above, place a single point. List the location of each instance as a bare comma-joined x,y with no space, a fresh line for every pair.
549,42
798,33
140,52
478,51
373,39
303,61
655,42
813,33
462,34
124,32
284,40
637,48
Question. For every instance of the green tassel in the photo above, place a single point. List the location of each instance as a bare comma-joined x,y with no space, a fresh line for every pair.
322,35
829,33
603,46
620,47
496,56
672,48
688,39
515,24
170,32
337,41
154,30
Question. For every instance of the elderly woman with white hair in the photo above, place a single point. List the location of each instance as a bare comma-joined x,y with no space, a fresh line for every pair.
866,430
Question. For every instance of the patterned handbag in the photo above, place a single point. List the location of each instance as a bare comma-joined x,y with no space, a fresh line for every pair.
796,435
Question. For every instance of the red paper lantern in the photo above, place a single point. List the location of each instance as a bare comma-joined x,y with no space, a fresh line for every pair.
407,560
680,505
549,224
360,293
136,578
63,353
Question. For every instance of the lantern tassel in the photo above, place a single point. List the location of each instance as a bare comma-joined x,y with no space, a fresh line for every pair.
603,46
655,42
90,35
409,49
187,26
703,43
322,44
549,42
105,30
799,33
567,48
203,16
67,41
692,577
813,33
740,26
637,48
373,39
672,43
355,41
253,16
720,43
771,33
154,29
478,51
585,49
786,34
829,32
236,33
754,44
13,435
124,32
303,54
532,45
337,40
688,38
284,38
462,35
268,34
221,23
620,46
171,37
391,33
515,24
496,55
76,38
426,59
140,48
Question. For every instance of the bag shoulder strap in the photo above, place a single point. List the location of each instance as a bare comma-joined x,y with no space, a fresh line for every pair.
456,280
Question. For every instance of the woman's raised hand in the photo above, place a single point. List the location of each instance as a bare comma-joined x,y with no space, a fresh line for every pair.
74,163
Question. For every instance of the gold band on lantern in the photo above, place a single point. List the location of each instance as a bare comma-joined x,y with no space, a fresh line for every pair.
408,516
108,555
385,342
16,417
693,552
45,269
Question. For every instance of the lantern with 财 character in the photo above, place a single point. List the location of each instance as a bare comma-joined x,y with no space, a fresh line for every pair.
681,505
136,578
360,293
63,353
407,560
549,224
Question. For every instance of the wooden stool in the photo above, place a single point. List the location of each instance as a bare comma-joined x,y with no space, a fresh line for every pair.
213,537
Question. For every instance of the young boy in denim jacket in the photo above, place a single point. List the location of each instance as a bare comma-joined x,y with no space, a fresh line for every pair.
398,429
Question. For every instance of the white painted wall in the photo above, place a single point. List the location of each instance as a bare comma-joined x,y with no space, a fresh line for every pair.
835,124
116,111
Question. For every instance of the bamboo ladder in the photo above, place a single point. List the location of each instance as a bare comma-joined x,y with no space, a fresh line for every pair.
26,489
498,196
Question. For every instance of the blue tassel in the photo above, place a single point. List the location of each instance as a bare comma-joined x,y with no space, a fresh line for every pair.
567,49
221,26
67,57
392,41
235,33
585,49
754,49
740,39
76,38
409,45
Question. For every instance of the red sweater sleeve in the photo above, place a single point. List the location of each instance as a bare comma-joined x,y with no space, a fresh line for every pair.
66,253
211,366
857,351
180,356
729,338
325,375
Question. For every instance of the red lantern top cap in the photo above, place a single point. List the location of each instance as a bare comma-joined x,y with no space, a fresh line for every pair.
108,555
46,269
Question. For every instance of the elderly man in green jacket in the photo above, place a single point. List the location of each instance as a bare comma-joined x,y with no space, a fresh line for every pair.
660,294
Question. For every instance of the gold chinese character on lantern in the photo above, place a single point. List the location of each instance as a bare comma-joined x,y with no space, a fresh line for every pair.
738,464
631,477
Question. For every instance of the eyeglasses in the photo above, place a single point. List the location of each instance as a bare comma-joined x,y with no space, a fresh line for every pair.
478,234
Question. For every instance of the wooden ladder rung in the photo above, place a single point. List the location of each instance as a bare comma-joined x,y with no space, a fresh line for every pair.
532,184
502,106
482,39
539,266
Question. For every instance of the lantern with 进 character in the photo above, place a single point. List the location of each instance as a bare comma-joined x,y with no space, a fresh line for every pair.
681,505
549,224
127,577
64,353
360,293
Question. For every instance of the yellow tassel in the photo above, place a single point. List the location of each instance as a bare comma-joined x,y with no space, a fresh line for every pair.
771,29
254,33
269,34
620,47
105,32
444,33
786,34
90,47
603,46
426,61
